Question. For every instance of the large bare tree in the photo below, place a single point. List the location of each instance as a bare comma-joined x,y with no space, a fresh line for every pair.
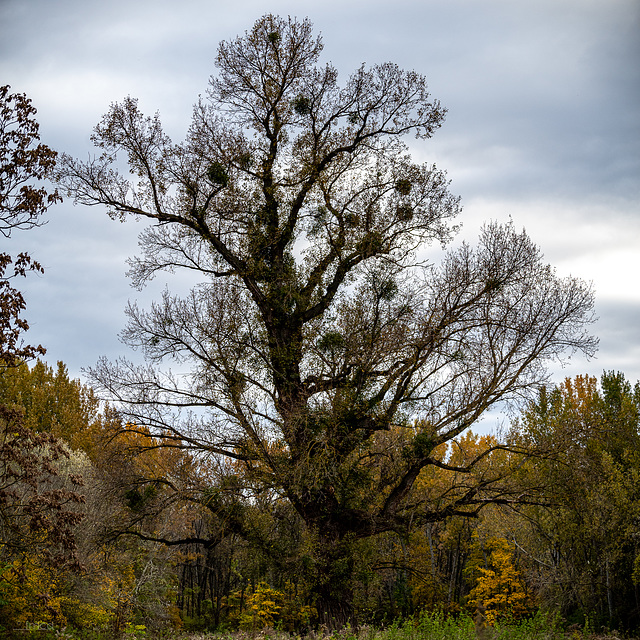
318,336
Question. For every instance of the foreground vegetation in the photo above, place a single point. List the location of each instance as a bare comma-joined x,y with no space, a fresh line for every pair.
424,627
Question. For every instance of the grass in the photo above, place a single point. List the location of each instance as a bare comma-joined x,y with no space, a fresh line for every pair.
438,627
427,627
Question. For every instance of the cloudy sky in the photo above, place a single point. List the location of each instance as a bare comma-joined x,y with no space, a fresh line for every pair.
543,127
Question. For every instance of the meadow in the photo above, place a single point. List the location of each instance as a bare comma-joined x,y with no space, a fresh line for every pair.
432,626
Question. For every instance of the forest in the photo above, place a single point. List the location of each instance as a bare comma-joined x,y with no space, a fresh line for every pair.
66,561
314,466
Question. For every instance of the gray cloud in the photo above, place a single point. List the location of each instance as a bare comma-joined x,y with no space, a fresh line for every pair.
543,125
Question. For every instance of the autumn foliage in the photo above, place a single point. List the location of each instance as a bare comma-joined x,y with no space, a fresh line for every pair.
135,568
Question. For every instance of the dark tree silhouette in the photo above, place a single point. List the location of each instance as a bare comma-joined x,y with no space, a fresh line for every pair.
319,335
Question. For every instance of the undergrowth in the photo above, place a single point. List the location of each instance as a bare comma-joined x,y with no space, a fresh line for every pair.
433,626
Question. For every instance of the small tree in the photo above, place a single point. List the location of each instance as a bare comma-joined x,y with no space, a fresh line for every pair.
317,327
499,591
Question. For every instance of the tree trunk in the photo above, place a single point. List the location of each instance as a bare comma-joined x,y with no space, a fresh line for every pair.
335,612
609,592
333,589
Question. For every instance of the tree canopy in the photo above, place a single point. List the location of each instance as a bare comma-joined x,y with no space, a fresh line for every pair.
319,335
585,538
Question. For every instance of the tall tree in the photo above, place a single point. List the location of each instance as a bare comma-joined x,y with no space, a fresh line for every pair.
585,542
318,326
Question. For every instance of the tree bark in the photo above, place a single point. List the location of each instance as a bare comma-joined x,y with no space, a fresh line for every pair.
333,590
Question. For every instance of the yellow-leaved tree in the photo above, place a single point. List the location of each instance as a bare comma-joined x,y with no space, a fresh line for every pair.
499,591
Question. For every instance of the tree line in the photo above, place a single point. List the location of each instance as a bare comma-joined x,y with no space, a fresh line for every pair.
142,557
314,463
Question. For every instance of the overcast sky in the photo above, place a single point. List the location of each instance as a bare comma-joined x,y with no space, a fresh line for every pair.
543,127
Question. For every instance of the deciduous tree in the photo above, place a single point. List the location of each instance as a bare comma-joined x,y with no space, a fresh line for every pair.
38,505
24,162
584,542
318,326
